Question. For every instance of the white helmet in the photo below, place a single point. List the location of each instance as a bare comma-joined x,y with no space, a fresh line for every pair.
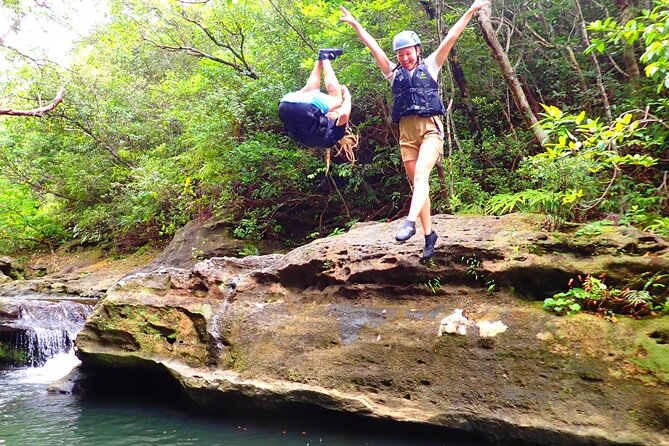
405,39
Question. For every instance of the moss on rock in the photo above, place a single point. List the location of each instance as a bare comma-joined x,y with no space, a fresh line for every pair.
149,331
9,354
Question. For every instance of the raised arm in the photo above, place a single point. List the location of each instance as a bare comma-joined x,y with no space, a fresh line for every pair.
370,42
345,109
445,46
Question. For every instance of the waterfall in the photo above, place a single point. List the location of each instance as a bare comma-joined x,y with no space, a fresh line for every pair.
46,328
40,344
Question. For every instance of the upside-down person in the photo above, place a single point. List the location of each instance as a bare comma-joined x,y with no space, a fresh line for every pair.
317,119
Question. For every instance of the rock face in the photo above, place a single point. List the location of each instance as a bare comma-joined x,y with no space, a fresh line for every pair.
85,277
8,268
199,240
351,323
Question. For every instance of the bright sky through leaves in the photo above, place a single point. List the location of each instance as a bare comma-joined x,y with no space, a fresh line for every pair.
50,28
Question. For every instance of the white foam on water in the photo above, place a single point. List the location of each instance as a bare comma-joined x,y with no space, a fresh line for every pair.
55,368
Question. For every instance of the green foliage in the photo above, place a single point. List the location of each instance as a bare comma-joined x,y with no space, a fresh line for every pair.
197,254
26,221
525,201
643,216
263,179
474,270
665,307
483,170
149,138
596,297
13,4
9,354
659,226
593,140
572,301
488,111
563,304
576,172
594,228
254,224
249,250
468,193
434,285
636,297
651,30
337,231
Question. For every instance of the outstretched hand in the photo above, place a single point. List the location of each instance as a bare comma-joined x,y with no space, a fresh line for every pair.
479,4
347,17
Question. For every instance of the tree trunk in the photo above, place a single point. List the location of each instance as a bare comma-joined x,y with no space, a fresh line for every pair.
595,62
532,99
438,14
626,10
509,75
470,110
571,57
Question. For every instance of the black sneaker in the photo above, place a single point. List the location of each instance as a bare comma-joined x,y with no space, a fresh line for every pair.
407,231
329,53
430,241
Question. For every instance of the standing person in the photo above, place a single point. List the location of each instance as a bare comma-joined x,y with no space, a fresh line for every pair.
418,109
311,117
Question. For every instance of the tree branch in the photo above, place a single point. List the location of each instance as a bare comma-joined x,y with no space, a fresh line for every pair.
244,69
97,140
36,112
302,37
25,179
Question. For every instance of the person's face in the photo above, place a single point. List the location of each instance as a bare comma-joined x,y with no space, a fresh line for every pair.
408,57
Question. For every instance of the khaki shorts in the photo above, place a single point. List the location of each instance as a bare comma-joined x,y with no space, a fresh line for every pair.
420,133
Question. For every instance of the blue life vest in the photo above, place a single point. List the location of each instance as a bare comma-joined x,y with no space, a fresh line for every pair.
417,94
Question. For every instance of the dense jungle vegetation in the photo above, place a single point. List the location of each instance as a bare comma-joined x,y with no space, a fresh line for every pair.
169,114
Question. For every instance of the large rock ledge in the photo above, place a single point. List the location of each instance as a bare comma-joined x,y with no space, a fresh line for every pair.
350,323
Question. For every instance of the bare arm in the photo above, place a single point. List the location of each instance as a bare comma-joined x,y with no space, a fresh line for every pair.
370,42
343,111
445,46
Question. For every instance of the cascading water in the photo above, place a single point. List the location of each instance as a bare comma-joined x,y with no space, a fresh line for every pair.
45,328
40,344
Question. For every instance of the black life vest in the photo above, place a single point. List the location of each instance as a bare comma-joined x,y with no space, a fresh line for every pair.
307,125
417,94
313,131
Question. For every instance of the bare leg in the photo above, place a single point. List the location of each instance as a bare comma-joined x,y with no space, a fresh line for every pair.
331,82
334,97
345,109
419,173
314,81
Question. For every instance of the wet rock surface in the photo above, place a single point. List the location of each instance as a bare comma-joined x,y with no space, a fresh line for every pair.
79,276
350,323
